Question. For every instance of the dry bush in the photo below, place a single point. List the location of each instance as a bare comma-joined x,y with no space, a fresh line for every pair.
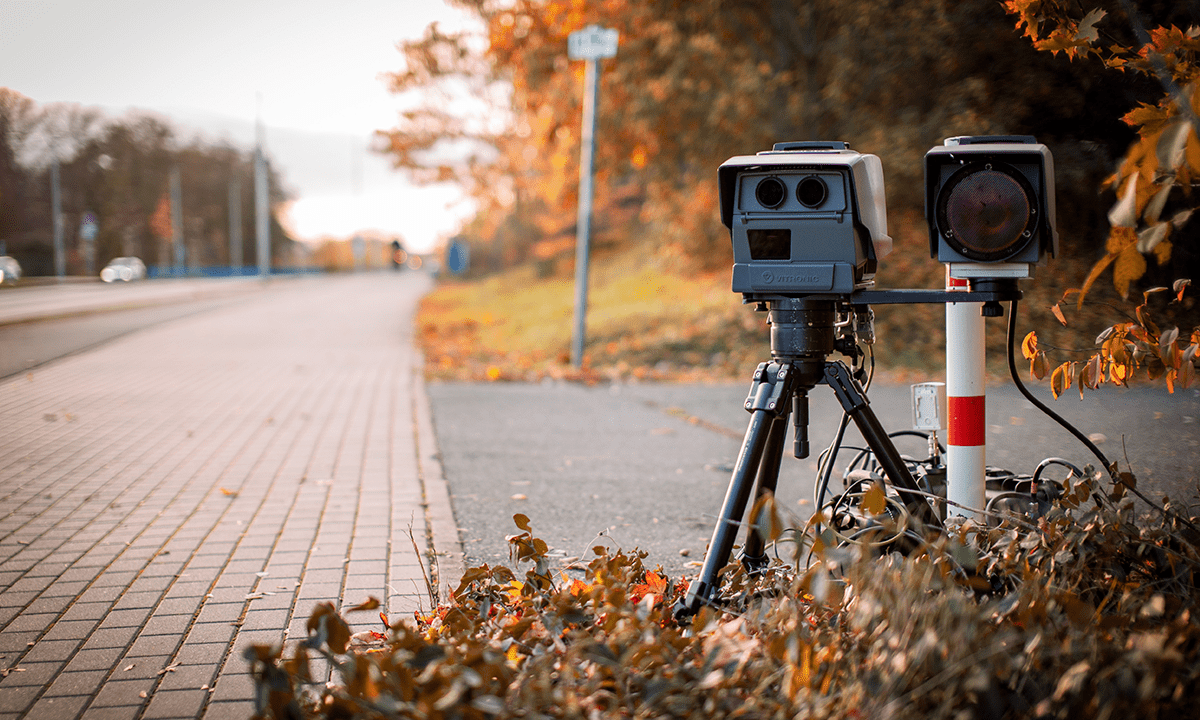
1083,612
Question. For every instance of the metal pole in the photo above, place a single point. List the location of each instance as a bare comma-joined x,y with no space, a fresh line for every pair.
177,222
966,447
60,258
235,225
587,156
262,206
261,214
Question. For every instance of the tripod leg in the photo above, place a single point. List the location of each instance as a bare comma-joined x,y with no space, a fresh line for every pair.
850,395
753,557
769,397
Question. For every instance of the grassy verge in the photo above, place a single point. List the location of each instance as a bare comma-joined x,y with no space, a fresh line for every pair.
643,322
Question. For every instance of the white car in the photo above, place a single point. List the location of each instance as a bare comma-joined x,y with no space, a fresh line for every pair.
10,270
124,269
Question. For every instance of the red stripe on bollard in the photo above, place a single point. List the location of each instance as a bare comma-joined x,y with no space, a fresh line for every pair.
966,422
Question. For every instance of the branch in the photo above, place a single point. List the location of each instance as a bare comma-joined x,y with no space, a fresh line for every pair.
1160,68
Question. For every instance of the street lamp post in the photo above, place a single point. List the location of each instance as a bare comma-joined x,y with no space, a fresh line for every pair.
60,256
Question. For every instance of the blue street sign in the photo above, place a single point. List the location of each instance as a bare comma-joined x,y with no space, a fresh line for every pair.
458,257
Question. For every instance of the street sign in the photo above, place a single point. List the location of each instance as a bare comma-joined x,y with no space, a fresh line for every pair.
89,227
458,257
592,43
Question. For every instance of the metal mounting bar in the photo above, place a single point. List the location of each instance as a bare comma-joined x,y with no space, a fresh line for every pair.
931,297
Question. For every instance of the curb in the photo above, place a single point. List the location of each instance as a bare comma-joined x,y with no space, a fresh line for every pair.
446,545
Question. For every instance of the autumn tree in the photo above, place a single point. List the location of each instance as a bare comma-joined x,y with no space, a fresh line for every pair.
14,108
498,109
119,170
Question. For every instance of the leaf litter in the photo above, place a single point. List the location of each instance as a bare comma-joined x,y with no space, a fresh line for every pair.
1086,611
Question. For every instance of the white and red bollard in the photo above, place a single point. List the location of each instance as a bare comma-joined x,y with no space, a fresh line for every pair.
966,447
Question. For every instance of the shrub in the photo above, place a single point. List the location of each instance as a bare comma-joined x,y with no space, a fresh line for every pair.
1083,612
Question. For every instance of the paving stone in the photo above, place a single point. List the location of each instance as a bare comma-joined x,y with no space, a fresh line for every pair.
154,646
70,630
176,703
125,618
30,622
134,667
29,673
127,712
52,651
229,710
188,677
235,686
206,654
211,632
117,637
53,707
95,659
124,693
84,682
19,698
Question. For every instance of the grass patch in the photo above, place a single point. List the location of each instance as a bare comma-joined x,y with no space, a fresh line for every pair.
643,321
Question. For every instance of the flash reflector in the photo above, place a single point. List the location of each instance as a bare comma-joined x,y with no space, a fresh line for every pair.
990,199
986,212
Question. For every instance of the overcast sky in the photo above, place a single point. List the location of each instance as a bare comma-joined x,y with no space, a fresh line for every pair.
203,65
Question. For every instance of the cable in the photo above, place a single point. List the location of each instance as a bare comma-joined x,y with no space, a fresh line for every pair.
1053,461
826,465
1012,368
827,458
1112,473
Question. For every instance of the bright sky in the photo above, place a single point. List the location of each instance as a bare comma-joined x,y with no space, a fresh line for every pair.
203,64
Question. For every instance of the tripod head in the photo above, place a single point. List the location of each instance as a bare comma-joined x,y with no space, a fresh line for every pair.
807,329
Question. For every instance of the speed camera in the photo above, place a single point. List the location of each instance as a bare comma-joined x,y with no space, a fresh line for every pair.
804,218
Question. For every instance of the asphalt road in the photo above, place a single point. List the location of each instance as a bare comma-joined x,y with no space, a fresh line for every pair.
24,346
646,465
41,323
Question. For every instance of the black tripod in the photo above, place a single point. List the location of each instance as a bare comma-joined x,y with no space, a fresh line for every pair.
804,332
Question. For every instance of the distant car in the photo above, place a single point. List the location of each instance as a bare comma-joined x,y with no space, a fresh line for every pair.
10,270
124,269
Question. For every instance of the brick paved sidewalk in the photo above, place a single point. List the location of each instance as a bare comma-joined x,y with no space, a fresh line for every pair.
174,496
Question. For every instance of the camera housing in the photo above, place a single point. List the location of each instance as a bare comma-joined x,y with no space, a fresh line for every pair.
989,201
804,218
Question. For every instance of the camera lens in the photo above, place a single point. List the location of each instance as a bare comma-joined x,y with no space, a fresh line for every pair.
770,192
811,192
985,213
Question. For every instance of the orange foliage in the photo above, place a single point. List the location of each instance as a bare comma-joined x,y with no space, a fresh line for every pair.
160,221
1157,172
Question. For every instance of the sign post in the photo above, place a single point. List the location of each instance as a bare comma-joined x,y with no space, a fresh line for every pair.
591,44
